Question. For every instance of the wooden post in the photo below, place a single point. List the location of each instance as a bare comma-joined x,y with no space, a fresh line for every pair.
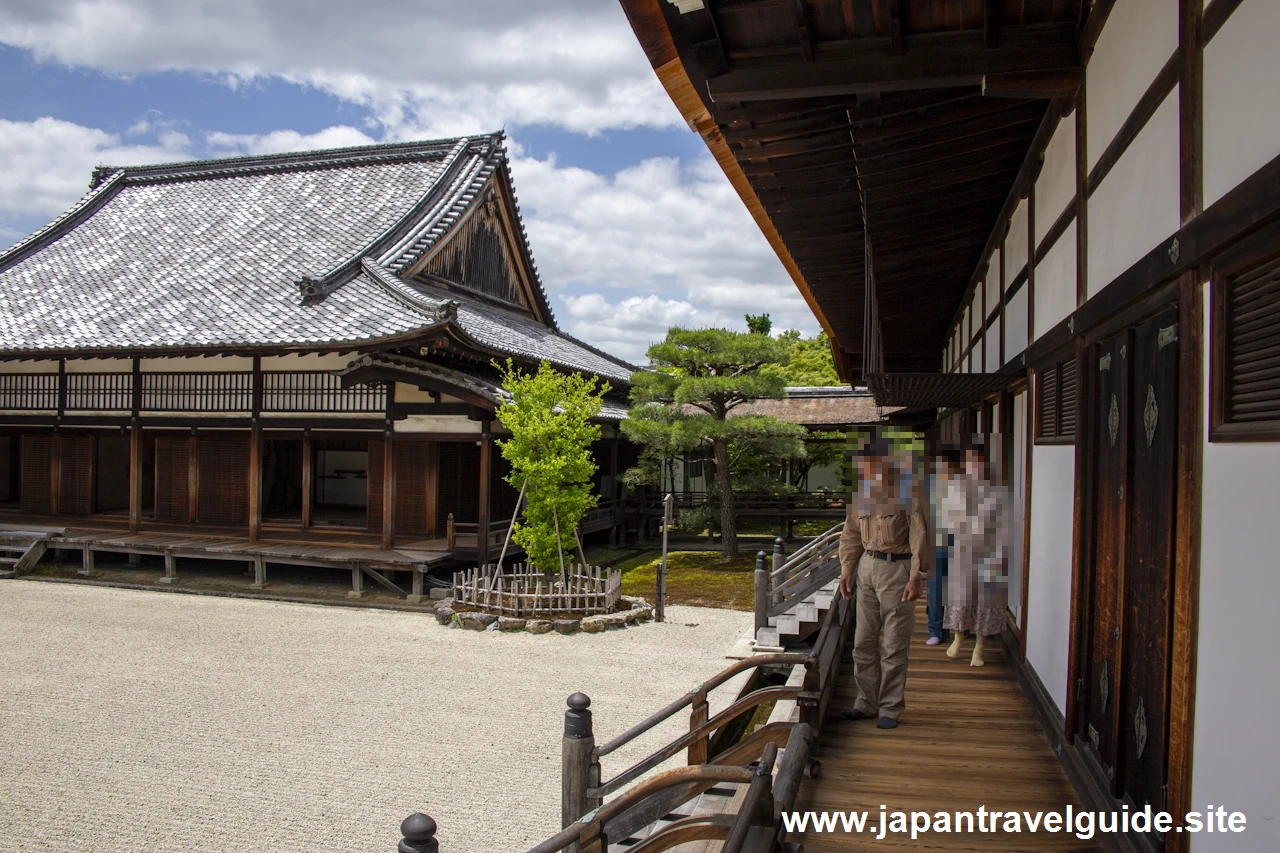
419,833
193,477
697,717
668,510
615,493
255,481
308,478
578,767
486,470
388,488
433,487
761,593
357,582
170,568
448,532
259,573
415,592
135,476
87,569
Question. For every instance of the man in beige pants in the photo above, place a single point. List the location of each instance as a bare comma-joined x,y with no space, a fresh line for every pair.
884,541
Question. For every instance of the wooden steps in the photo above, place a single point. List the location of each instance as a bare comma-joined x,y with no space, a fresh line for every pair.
19,554
800,622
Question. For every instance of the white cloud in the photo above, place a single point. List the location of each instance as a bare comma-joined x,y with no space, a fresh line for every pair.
424,67
635,252
236,144
47,162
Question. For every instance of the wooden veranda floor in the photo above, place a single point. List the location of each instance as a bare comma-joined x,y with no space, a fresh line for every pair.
968,738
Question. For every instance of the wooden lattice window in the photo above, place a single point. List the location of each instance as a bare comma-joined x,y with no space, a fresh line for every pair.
1056,404
1245,353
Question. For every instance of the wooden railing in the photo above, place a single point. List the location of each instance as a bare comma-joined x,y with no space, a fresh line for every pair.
318,391
215,392
794,579
755,504
29,391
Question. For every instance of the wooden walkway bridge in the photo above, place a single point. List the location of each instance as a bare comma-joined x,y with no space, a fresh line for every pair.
968,738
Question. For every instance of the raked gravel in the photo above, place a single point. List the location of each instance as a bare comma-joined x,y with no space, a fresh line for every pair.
142,721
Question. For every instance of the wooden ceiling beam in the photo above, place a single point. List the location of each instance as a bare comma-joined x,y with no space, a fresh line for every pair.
935,61
927,177
944,119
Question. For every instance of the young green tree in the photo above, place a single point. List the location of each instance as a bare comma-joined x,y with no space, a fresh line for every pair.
759,324
700,376
549,415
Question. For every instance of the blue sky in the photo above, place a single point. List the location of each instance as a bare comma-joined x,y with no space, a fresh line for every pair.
633,226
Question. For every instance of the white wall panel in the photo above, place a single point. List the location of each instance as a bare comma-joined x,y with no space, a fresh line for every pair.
1015,244
1138,39
992,343
39,366
1049,581
1015,324
198,364
1237,694
308,361
1241,98
992,288
1056,186
1056,283
1136,207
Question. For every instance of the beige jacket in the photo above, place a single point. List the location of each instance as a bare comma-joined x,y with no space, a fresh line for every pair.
895,533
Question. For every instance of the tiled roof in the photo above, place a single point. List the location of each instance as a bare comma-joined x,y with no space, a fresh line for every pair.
283,251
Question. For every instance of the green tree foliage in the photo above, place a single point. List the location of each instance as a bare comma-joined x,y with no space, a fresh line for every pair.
700,376
811,362
759,324
549,416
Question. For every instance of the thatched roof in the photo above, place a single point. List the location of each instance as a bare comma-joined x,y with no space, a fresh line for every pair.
828,407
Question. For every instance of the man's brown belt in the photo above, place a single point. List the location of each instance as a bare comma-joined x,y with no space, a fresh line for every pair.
885,555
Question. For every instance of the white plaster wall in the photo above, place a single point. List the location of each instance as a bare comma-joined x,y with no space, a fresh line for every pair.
308,361
992,288
438,423
1241,98
1056,283
993,273
1136,207
1049,585
198,364
1056,186
992,344
1015,324
1236,751
1018,482
45,366
1015,243
99,365
1138,39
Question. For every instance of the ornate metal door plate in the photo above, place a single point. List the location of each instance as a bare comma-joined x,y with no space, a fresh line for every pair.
1113,420
1140,727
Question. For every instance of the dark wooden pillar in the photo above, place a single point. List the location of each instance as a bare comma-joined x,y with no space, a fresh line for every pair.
255,455
388,488
486,472
433,490
135,450
308,477
193,476
615,490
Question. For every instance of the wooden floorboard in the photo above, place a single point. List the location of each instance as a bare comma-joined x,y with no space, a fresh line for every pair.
968,738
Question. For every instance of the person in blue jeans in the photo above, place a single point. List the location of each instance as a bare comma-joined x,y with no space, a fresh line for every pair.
944,467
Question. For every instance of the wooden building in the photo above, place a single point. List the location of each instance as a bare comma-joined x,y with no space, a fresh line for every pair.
1058,220
294,347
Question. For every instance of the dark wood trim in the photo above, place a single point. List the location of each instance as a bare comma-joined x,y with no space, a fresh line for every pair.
62,387
1004,300
1250,205
308,477
135,476
1029,453
1031,264
1190,109
193,476
1055,232
1215,16
1186,578
1092,29
389,471
1082,197
433,486
255,477
985,323
486,473
1146,107
1081,534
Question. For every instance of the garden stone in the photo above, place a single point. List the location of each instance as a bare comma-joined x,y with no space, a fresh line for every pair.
539,626
477,621
567,626
630,616
444,615
614,621
593,625
439,593
492,626
510,623
644,614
